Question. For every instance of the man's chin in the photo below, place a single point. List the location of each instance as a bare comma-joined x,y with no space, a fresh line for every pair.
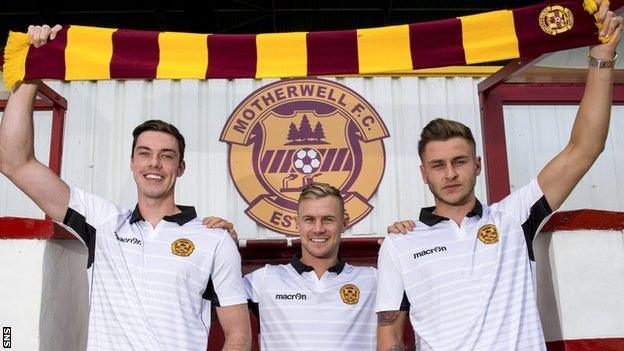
320,254
453,200
153,195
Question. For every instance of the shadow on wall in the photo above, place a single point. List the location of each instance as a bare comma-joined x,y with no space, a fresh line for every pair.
546,292
64,297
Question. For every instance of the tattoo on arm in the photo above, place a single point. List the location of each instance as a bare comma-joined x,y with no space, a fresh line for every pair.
385,318
396,348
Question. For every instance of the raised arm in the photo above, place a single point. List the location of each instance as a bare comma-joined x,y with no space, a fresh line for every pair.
591,125
17,156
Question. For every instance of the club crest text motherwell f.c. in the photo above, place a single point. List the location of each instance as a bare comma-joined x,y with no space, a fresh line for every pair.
290,133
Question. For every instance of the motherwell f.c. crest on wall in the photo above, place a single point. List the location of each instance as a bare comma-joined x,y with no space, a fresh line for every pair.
292,132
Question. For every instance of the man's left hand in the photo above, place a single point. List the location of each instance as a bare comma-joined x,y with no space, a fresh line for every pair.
217,222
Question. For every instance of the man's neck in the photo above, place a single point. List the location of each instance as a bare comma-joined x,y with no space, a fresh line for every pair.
456,213
153,210
320,265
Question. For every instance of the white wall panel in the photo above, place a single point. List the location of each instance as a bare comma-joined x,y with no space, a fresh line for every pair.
535,134
12,201
576,58
101,116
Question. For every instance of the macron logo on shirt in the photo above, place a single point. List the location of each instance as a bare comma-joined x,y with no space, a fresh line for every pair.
128,240
430,251
297,296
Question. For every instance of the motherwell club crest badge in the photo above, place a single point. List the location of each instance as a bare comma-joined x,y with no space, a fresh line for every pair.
488,234
293,132
556,19
350,294
182,247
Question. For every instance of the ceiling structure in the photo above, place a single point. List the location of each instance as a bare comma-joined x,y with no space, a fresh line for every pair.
239,16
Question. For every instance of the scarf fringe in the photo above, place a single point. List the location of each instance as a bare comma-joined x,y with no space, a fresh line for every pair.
590,6
15,54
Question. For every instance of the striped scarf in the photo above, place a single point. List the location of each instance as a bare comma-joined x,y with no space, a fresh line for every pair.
90,53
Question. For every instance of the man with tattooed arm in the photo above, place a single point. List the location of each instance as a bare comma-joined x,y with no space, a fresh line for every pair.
466,268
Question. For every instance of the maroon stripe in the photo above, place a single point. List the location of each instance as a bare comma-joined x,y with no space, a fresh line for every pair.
332,52
135,54
47,61
555,345
277,161
328,160
26,228
339,160
231,56
606,344
585,220
532,40
349,164
287,161
436,44
264,164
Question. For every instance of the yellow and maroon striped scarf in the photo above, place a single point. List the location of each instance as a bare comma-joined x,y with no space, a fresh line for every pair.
89,53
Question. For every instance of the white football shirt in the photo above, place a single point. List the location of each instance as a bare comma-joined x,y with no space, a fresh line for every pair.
149,286
470,287
299,311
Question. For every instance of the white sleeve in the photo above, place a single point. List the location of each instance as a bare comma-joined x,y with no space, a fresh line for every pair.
85,213
390,287
226,273
520,203
253,283
529,207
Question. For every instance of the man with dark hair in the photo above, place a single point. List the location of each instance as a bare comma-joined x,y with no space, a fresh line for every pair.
160,126
317,301
153,271
466,268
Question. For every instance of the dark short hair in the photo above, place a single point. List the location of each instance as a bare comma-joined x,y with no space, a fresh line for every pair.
441,129
159,126
320,190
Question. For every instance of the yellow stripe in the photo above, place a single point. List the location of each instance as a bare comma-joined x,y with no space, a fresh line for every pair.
182,55
15,54
281,55
489,36
384,49
88,53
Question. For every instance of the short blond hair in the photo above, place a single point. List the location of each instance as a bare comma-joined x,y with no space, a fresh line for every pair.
321,190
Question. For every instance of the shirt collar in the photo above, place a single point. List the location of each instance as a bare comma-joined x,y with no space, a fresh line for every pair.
429,218
187,214
301,267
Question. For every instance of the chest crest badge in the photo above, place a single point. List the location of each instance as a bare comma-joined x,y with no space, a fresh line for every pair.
488,234
350,294
182,247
